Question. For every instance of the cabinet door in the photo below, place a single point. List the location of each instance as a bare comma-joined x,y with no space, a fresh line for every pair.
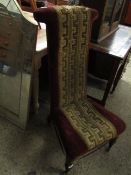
17,46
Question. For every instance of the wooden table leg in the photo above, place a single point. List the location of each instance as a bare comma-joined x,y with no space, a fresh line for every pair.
110,81
119,74
35,83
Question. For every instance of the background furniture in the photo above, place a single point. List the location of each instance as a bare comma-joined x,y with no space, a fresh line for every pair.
17,47
126,15
109,16
22,45
83,125
40,52
108,58
31,3
30,6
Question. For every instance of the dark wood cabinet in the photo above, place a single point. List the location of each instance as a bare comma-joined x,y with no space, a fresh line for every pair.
109,16
108,58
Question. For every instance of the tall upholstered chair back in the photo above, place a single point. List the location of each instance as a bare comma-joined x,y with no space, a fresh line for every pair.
74,36
72,58
83,125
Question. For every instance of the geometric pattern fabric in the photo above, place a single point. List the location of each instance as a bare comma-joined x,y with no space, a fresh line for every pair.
74,35
83,125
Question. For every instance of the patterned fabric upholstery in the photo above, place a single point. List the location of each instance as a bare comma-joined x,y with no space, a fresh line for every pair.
91,126
74,34
82,126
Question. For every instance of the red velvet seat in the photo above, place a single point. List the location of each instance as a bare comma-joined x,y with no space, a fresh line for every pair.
82,124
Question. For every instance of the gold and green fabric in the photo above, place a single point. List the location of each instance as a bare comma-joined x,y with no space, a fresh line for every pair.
83,125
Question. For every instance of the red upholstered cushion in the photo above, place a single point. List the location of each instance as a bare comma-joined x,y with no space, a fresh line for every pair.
72,142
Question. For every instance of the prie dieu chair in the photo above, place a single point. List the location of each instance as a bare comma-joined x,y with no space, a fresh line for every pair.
83,125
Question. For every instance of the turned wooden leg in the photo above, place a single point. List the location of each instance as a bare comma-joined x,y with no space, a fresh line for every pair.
35,82
68,165
111,143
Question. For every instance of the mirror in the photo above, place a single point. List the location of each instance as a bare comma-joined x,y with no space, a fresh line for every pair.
109,11
17,47
118,10
107,17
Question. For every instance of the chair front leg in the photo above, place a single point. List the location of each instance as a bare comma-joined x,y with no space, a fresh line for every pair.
68,164
111,143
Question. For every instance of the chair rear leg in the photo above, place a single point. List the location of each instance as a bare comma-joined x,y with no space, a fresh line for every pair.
49,119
